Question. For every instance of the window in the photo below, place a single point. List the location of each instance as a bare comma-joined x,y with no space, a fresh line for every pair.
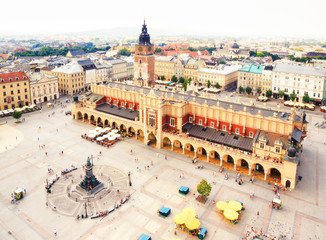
151,120
114,102
172,122
11,92
251,134
18,97
297,91
318,94
130,105
200,122
122,104
212,124
25,96
4,93
262,145
224,128
190,119
285,90
237,131
278,149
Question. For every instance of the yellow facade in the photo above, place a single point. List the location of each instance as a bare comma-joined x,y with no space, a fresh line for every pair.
164,66
161,119
14,90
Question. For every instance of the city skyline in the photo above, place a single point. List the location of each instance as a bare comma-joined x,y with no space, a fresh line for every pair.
238,18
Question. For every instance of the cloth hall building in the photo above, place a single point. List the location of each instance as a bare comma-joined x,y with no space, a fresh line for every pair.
254,141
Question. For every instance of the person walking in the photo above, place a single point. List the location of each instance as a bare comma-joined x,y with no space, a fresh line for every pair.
55,232
46,153
257,213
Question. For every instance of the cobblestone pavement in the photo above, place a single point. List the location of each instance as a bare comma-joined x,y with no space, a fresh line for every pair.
24,163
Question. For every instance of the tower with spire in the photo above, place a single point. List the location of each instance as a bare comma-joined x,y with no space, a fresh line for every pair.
144,61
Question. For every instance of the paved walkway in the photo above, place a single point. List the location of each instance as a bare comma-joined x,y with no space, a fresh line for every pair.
25,163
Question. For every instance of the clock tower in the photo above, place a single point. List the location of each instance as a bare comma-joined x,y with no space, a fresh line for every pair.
144,60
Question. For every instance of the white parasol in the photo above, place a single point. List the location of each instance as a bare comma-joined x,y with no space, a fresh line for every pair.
115,130
102,131
99,138
107,129
111,138
117,135
92,135
98,128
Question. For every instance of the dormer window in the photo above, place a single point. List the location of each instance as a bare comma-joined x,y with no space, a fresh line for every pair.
16,78
1,79
237,131
262,145
224,128
24,77
10,79
278,149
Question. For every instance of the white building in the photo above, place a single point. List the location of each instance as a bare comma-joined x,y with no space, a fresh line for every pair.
43,87
299,79
225,76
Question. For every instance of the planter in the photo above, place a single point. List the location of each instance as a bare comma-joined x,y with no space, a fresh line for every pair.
201,199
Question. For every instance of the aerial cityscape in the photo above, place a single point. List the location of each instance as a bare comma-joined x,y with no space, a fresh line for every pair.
173,121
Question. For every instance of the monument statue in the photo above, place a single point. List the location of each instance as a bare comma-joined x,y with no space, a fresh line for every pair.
90,184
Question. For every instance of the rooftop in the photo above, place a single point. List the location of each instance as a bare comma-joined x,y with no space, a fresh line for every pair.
69,68
118,111
188,96
224,70
252,69
299,69
13,77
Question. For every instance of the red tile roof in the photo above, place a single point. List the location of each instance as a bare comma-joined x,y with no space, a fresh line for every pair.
15,77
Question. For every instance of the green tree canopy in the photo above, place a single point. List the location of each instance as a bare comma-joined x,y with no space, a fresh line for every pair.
157,50
293,96
248,90
209,84
259,90
185,85
204,188
252,54
16,115
217,85
162,77
281,93
306,98
181,80
124,52
192,49
174,78
221,62
269,93
240,89
189,81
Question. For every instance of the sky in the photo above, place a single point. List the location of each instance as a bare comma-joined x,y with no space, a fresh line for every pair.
205,17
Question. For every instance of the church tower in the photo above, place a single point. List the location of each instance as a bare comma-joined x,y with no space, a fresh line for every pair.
144,60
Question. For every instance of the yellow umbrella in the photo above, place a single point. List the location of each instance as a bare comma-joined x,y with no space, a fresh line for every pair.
235,205
222,205
189,212
231,214
192,223
180,218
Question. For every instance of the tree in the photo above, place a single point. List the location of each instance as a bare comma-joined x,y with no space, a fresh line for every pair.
174,78
306,98
124,52
204,188
221,62
16,115
248,90
259,90
192,49
162,77
293,96
281,93
209,84
189,81
269,93
185,84
217,85
181,80
240,89
260,54
252,53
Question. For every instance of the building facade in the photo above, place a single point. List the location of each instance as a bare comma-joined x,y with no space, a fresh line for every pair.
144,60
71,79
44,88
119,68
165,66
301,80
191,70
14,90
225,76
251,76
255,141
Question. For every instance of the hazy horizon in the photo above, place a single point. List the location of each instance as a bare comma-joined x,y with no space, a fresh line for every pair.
249,19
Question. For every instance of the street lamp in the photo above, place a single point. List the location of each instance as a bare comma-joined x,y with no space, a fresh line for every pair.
86,210
129,178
